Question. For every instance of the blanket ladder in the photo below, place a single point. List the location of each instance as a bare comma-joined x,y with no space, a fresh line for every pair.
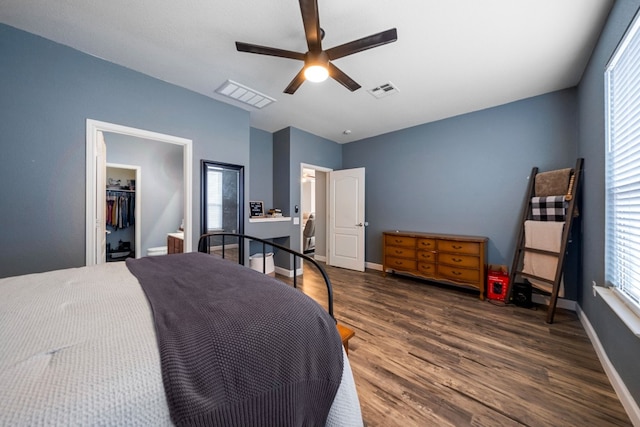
517,267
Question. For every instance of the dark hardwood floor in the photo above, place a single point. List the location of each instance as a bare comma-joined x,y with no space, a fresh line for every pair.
431,355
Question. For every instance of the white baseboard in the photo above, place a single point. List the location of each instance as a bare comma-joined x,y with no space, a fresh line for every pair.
373,266
629,404
320,258
286,272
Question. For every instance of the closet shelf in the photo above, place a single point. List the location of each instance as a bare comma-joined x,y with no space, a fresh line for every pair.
121,190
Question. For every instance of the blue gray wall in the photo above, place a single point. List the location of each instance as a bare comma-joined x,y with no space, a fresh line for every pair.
161,186
306,148
621,345
261,179
263,165
464,175
48,92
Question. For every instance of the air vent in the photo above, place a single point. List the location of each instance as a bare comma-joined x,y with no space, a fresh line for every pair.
383,90
244,94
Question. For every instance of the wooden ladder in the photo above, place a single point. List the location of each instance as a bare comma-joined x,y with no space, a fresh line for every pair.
571,213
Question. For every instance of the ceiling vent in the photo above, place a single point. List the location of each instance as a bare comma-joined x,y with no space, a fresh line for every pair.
383,90
242,93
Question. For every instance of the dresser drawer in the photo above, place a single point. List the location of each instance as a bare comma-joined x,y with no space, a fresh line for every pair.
400,264
426,256
400,251
458,274
427,268
406,241
428,244
456,260
459,247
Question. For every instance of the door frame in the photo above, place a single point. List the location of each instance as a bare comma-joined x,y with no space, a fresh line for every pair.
95,126
327,210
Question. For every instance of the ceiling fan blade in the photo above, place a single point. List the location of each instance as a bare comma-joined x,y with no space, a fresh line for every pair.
338,75
295,83
265,50
364,43
311,22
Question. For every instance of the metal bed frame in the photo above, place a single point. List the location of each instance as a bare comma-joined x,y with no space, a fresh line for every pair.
204,246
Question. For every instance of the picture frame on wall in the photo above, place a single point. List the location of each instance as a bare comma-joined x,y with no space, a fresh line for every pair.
256,209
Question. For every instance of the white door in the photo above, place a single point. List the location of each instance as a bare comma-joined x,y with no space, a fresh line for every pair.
101,195
346,219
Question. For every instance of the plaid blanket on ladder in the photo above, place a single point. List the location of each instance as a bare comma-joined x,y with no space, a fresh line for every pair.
550,208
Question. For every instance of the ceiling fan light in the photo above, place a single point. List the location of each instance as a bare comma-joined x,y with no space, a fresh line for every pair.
316,73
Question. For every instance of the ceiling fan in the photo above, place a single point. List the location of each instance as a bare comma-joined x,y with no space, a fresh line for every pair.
317,62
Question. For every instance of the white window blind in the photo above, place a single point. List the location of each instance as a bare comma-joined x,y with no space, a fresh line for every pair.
622,233
214,199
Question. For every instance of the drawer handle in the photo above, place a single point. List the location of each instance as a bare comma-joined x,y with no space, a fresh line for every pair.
457,273
457,247
398,241
398,251
456,260
399,263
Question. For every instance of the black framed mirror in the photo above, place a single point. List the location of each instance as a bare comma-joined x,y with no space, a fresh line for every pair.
222,202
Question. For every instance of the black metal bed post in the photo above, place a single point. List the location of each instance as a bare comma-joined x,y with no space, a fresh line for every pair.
264,258
295,271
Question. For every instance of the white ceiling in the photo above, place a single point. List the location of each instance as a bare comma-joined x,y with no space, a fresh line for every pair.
451,57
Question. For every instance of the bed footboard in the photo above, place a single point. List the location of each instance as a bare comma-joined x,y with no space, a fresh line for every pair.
205,247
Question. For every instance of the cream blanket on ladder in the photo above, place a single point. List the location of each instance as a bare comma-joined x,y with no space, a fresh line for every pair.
547,236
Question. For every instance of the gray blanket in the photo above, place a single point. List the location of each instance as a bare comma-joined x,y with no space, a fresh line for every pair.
238,347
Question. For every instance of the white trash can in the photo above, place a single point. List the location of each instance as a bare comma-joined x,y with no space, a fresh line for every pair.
257,261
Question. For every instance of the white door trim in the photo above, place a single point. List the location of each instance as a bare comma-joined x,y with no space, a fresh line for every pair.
95,126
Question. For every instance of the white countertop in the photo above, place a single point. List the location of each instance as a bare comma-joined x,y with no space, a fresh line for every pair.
270,219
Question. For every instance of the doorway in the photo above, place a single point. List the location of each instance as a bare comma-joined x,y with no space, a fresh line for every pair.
94,221
339,215
313,200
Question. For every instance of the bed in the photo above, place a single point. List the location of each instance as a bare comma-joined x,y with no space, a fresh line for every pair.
80,347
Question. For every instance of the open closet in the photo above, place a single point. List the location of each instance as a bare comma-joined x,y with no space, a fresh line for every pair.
121,211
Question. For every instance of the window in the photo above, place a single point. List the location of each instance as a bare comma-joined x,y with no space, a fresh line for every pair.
214,199
622,233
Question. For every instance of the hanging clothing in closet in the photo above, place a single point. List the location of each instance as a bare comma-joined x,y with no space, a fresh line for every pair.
120,209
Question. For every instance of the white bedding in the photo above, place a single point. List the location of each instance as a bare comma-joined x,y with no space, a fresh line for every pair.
78,347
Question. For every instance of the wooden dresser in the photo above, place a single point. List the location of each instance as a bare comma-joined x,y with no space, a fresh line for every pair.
449,258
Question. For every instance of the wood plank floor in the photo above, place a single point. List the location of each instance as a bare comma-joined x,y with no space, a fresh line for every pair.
431,355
